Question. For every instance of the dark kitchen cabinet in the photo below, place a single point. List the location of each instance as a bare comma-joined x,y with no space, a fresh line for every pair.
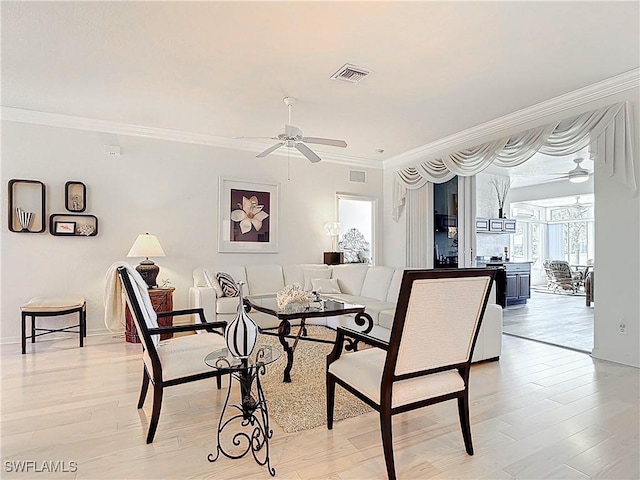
513,283
518,283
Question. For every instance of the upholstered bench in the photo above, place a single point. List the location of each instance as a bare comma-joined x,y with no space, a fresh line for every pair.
53,307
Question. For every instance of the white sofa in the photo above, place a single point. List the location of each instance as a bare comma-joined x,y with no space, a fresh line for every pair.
376,288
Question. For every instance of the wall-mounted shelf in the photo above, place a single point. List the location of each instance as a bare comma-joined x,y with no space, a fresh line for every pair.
29,196
495,225
75,196
73,225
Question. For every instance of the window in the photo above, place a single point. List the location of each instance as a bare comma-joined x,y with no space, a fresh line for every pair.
557,229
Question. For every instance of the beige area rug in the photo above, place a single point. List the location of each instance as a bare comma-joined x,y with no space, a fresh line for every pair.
301,404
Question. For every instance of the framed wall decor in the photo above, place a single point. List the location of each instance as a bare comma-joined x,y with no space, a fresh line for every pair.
248,216
65,228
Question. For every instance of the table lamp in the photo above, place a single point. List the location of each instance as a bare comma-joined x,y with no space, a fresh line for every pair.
334,257
147,245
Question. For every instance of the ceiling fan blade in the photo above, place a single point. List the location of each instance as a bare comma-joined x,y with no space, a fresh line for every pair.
325,141
555,179
269,150
307,152
291,131
255,138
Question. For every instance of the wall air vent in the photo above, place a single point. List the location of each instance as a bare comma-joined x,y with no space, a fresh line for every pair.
351,73
357,176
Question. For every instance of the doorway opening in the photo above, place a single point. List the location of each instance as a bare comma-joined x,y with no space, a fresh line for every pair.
554,221
357,216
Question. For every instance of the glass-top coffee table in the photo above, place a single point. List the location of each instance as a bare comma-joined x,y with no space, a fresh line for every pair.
325,307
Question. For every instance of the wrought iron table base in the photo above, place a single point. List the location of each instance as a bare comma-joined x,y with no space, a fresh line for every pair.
362,319
252,415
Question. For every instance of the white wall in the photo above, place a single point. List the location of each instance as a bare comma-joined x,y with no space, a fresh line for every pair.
166,188
617,239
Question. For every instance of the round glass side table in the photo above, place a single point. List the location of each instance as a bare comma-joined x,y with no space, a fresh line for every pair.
250,417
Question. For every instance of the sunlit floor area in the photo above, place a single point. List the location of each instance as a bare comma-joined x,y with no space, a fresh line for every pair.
558,319
538,412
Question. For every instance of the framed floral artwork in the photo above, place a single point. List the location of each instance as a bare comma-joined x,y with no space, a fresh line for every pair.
248,216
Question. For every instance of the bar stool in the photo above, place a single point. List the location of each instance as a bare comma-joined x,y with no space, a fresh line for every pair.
53,307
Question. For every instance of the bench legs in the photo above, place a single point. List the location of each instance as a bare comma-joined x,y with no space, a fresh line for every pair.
82,325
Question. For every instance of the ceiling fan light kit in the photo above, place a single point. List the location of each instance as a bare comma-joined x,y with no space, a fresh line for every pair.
293,138
579,177
578,174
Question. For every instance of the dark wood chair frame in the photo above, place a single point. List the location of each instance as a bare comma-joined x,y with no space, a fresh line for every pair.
155,377
81,325
345,337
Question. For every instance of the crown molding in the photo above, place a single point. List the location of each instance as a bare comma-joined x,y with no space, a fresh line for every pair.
611,86
20,115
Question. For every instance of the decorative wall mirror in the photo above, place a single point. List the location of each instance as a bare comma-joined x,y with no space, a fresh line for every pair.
75,196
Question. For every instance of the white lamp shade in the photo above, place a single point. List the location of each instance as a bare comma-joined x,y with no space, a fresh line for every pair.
333,228
146,245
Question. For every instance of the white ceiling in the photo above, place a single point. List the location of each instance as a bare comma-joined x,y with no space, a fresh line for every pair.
543,168
222,68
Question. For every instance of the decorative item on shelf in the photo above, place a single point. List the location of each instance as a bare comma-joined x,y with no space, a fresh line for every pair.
147,245
242,333
294,294
24,218
75,194
501,186
65,228
86,229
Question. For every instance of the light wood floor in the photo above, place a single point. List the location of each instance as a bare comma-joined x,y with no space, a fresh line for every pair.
540,412
559,319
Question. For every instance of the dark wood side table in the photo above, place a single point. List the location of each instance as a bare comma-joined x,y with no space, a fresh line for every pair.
162,301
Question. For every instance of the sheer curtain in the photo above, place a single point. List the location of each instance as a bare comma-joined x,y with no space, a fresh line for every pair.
607,131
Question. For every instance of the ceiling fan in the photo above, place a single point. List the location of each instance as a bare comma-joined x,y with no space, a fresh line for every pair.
575,175
293,137
579,207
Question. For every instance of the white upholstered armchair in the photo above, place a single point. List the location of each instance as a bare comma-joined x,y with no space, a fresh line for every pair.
428,356
169,362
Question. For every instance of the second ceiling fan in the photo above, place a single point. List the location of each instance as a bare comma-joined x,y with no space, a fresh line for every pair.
575,175
293,137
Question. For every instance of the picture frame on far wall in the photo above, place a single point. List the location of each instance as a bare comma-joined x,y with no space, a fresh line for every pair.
248,216
65,228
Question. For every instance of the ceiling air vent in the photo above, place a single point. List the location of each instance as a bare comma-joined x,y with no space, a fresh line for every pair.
351,73
357,176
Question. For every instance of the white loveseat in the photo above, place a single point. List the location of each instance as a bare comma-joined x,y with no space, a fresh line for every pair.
376,288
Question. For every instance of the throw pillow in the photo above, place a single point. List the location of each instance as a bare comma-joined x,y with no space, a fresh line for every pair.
325,285
311,273
227,284
213,284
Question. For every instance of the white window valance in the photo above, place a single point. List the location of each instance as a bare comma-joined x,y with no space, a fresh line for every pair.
607,132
